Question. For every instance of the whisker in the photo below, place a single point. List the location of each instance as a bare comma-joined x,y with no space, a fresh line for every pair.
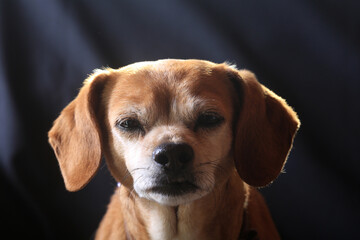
213,164
132,192
137,169
126,176
129,173
135,181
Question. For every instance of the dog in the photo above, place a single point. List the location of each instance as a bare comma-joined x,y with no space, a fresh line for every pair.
189,141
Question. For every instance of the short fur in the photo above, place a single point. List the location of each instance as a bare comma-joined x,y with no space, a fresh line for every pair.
246,149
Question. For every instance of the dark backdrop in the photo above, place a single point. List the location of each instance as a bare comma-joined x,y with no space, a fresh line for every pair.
306,51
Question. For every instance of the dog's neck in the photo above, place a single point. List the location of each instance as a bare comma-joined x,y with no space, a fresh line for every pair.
215,216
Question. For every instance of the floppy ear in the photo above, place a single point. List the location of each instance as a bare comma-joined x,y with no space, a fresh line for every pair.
265,130
75,135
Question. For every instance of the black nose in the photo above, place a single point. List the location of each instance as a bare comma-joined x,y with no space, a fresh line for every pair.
173,155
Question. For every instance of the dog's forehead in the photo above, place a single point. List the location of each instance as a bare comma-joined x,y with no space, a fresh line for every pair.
158,85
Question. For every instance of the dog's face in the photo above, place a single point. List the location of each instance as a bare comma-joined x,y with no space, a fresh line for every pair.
173,130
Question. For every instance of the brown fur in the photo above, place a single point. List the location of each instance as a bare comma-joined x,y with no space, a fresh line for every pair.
249,148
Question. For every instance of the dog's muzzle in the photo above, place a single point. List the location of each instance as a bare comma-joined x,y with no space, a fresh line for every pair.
174,163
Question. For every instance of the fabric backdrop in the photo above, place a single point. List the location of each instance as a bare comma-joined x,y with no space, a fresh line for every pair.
306,51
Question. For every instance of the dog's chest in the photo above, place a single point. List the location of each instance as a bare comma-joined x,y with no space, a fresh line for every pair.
165,224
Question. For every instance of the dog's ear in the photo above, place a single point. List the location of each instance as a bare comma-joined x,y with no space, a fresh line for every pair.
75,135
264,131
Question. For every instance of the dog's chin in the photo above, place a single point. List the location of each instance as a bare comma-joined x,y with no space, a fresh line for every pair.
173,194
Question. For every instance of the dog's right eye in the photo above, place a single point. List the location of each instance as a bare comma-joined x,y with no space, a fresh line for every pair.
130,124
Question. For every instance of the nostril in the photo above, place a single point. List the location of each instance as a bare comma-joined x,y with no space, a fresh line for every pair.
162,159
160,155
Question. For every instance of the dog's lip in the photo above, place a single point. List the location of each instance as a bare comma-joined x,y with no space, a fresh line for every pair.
174,188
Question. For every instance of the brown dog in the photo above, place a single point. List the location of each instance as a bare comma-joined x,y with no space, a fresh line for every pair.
187,139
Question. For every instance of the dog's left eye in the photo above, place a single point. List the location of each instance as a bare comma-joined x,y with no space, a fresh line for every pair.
130,124
209,120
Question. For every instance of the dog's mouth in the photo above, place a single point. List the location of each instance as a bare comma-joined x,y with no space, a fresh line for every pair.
174,184
174,188
171,189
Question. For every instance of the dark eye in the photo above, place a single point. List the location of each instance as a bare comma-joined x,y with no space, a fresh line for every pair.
209,120
130,124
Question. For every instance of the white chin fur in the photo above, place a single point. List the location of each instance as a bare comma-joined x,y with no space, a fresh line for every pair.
172,200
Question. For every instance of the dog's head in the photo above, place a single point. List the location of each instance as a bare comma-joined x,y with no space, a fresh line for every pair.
173,130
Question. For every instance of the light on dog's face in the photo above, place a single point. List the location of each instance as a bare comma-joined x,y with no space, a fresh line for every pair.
173,131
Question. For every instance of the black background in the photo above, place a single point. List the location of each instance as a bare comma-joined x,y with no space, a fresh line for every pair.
306,51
